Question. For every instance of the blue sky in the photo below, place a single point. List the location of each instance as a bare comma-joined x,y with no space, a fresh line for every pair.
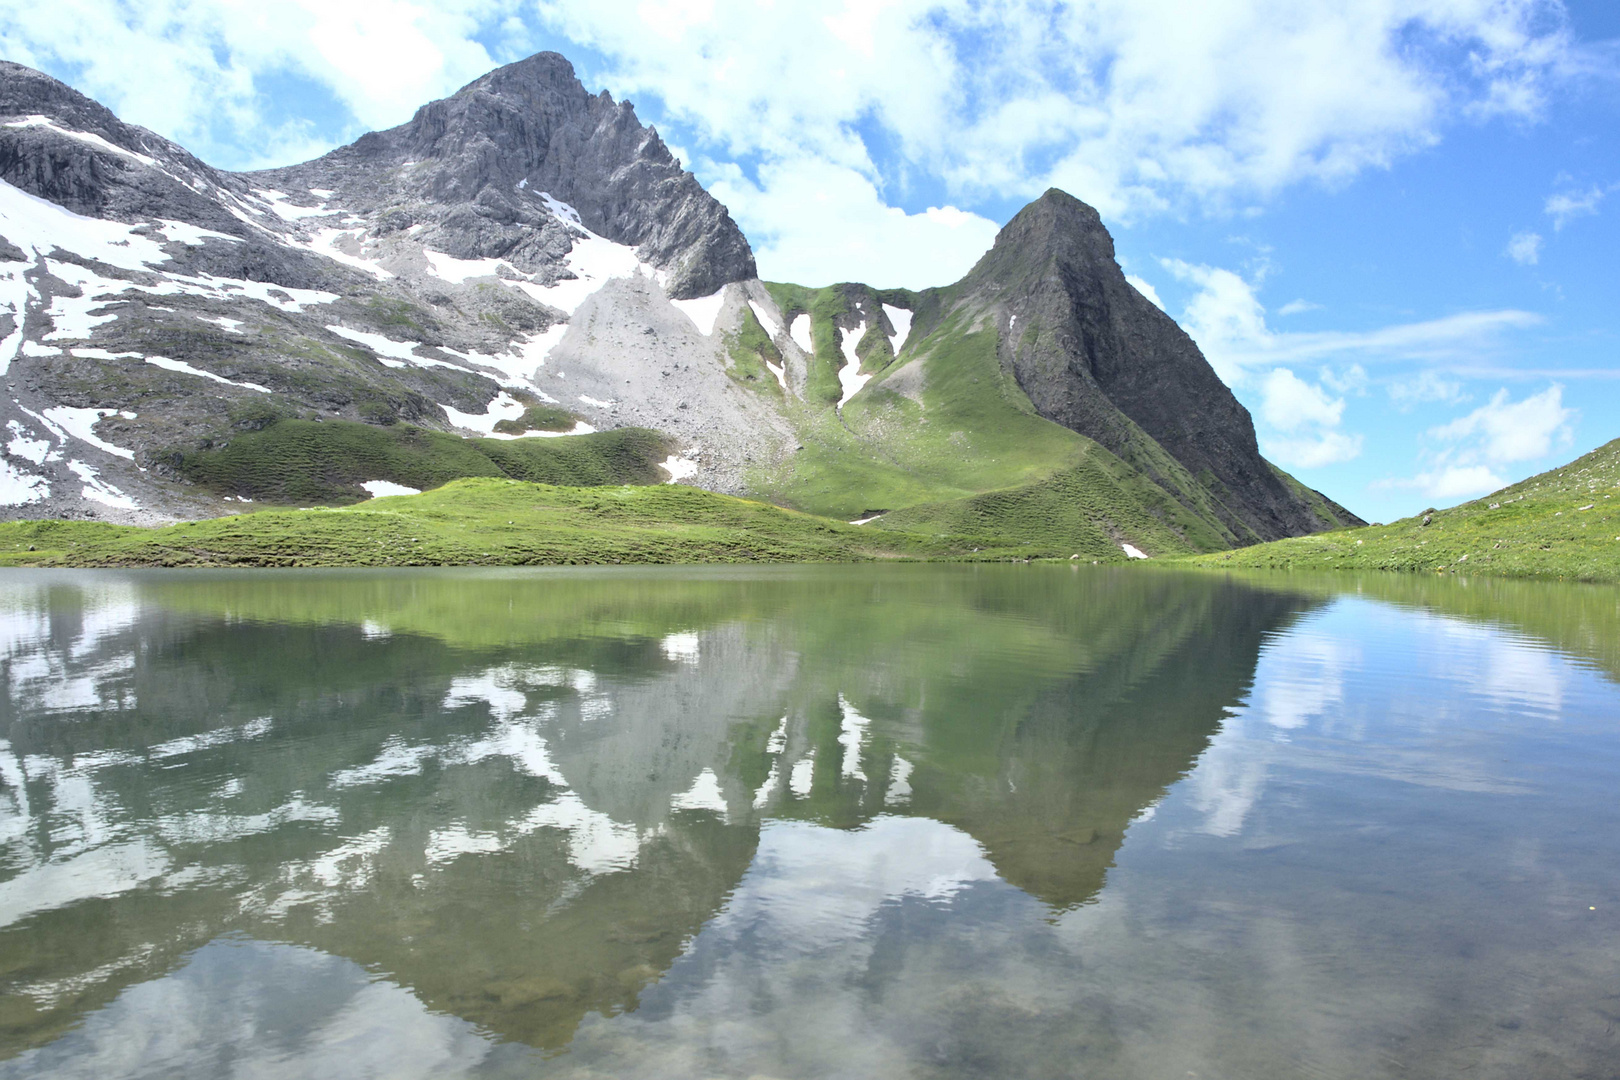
1389,223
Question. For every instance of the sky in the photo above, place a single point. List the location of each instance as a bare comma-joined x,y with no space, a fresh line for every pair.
1390,224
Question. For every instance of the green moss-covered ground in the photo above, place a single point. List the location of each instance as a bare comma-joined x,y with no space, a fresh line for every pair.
1086,510
304,462
1563,524
474,522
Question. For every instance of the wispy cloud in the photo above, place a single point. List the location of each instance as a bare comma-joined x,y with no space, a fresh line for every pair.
1138,106
1470,451
1565,206
1525,248
1228,321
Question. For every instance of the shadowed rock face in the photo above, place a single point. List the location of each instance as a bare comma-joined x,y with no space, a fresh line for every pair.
484,155
1098,357
89,180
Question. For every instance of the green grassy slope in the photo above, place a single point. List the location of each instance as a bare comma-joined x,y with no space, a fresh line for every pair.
477,522
304,462
1086,510
1563,524
946,439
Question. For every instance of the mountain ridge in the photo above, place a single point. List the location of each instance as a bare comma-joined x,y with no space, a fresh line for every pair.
524,259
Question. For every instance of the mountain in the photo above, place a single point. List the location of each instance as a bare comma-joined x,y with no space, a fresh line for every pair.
522,281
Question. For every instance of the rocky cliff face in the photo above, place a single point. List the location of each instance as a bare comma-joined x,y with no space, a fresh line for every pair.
477,173
1098,357
152,306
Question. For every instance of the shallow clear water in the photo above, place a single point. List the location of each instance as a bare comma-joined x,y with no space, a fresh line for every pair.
809,822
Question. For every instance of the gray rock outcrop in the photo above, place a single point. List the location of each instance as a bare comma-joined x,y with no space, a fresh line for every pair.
1095,355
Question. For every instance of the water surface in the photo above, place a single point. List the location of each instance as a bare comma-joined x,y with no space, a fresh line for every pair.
807,822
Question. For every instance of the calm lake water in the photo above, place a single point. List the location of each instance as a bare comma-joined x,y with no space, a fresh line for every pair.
905,821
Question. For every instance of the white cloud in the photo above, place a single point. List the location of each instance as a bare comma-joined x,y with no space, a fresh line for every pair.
201,73
1424,386
1131,104
1525,248
1290,403
1451,482
1351,380
816,223
1504,431
1499,433
1308,418
1141,285
1134,105
1315,451
1228,321
1296,307
1573,204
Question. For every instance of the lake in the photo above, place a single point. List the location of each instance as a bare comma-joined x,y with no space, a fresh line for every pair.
851,821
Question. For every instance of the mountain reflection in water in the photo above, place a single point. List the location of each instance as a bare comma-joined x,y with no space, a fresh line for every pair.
851,821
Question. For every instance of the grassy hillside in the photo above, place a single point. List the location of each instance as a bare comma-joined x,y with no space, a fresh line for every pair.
304,462
478,522
1563,524
1087,510
944,439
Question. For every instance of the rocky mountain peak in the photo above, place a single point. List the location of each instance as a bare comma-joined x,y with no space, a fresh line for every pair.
490,156
1095,355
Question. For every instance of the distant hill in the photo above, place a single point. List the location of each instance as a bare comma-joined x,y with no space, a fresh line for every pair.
524,264
1562,524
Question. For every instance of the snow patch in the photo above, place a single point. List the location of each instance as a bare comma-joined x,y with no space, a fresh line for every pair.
1132,552
21,446
502,407
80,423
383,488
179,232
391,353
327,242
580,428
900,319
101,353
18,488
864,520
593,260
597,402
779,371
232,325
772,325
849,376
98,490
559,208
800,333
286,210
186,369
456,270
32,222
679,468
82,136
703,311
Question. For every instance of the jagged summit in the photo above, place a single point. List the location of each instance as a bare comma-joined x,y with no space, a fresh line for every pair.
476,170
1095,355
